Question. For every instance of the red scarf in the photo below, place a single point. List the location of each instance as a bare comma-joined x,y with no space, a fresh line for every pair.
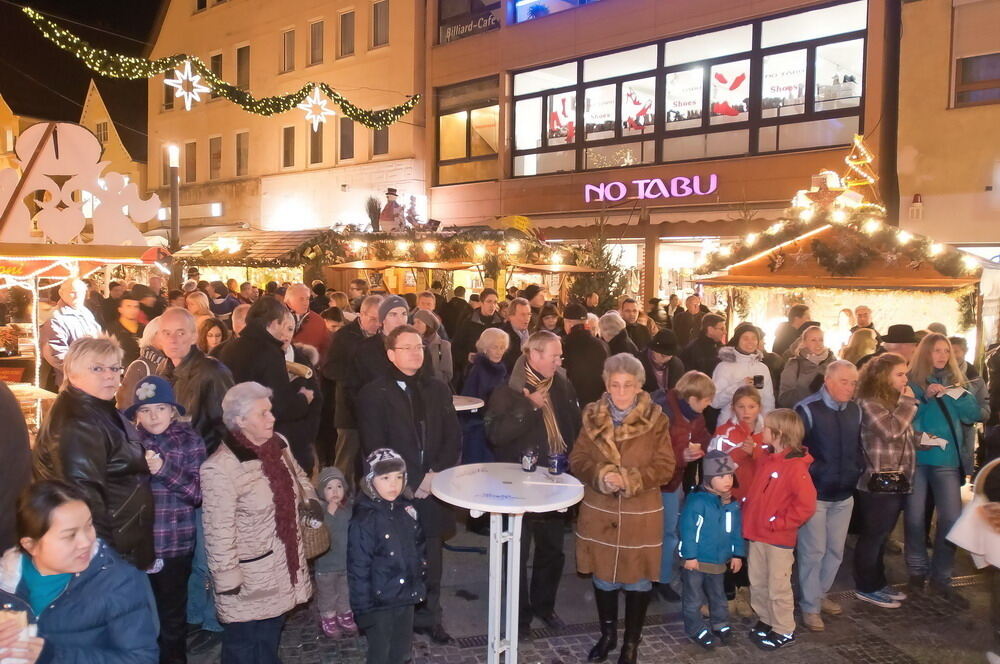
280,480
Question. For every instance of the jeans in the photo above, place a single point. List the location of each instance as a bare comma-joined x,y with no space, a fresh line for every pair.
877,516
944,484
200,598
670,561
389,633
820,550
252,642
170,588
699,589
538,598
645,585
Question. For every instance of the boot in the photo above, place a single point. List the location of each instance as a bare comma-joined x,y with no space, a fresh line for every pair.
635,615
607,615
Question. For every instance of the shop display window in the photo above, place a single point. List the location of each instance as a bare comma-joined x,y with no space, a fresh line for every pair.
709,45
783,84
528,123
638,107
528,10
622,63
616,156
730,96
545,162
684,98
705,146
599,112
826,22
548,78
802,135
560,114
839,69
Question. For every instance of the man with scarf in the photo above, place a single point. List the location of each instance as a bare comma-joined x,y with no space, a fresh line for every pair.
411,412
537,409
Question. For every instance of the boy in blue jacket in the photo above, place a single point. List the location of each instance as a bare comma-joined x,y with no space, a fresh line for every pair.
386,559
711,541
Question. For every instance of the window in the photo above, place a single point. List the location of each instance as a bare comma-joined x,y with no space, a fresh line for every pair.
8,134
977,80
242,153
165,166
346,138
346,46
288,147
101,131
316,144
214,157
316,43
380,23
527,10
168,94
709,95
243,67
380,141
215,64
200,5
468,131
458,19
190,162
287,51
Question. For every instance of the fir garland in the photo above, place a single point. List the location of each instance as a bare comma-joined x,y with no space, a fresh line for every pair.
115,65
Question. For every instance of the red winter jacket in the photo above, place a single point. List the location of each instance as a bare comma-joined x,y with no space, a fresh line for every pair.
729,438
781,498
682,432
312,332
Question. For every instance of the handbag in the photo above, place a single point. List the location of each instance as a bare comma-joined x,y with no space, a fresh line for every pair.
894,481
315,537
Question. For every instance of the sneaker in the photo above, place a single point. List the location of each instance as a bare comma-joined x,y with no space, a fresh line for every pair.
705,639
892,593
878,598
759,630
948,594
331,627
725,633
773,640
813,621
346,623
830,607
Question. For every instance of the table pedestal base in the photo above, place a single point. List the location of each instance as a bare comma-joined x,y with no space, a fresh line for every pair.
503,620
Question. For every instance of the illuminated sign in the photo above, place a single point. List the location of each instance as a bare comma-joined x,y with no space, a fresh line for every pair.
469,26
678,187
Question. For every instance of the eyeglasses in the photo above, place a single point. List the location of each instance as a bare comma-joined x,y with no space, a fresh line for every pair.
113,370
408,348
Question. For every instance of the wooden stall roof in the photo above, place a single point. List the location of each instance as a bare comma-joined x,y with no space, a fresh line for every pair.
799,269
254,244
376,266
555,268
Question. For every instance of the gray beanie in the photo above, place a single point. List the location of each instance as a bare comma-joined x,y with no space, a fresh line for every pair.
331,473
388,304
717,463
429,318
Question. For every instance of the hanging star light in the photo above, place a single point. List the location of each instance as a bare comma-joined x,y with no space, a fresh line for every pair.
315,107
187,85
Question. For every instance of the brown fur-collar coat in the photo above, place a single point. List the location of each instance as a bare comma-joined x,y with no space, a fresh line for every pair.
620,534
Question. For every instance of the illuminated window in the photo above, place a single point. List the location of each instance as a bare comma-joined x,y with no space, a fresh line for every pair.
528,10
468,131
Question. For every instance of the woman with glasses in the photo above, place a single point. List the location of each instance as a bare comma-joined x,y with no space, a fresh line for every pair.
88,444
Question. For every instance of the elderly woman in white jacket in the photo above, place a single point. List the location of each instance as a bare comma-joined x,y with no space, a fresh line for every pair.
740,364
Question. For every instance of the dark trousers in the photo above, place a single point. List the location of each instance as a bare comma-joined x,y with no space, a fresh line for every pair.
170,588
428,612
733,580
878,513
252,642
699,589
389,633
994,581
538,598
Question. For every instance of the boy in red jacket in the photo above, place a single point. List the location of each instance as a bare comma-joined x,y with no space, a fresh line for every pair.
781,498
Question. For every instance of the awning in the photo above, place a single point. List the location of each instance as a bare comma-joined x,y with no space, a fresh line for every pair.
24,261
249,245
377,266
555,268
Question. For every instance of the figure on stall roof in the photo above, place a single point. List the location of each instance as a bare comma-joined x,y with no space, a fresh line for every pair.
391,218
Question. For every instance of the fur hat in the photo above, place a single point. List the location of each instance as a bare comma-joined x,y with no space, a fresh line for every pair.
382,462
388,304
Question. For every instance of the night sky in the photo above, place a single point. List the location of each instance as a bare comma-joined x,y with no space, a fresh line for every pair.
26,55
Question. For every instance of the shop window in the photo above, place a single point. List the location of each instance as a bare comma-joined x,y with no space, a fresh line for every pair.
214,157
977,80
528,10
730,92
316,43
316,144
191,162
346,46
165,166
617,156
826,22
545,162
684,98
548,78
704,146
380,141
599,112
783,84
528,123
708,46
200,5
215,64
452,131
560,111
346,138
468,131
288,147
243,67
287,51
801,135
484,138
638,107
467,171
839,69
242,153
634,61
168,93
380,23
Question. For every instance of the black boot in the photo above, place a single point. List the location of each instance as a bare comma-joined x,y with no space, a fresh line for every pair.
635,615
607,615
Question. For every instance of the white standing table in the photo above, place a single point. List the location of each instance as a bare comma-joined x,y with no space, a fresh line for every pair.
463,403
504,489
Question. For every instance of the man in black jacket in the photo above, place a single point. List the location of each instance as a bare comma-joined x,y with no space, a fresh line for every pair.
15,451
467,333
663,367
516,327
537,409
455,311
687,321
126,327
411,412
702,354
583,355
638,333
788,332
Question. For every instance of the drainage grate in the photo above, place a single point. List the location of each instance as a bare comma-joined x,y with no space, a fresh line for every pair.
872,650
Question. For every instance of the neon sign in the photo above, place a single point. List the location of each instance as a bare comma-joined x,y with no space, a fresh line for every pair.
678,187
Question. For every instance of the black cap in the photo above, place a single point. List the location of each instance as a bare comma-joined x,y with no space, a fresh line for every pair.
575,311
900,334
664,343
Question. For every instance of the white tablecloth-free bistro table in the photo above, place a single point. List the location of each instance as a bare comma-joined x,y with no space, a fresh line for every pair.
503,488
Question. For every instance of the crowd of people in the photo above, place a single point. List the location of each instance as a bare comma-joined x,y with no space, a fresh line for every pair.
219,454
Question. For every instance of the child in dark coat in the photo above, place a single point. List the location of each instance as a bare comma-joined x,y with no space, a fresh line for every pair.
386,559
711,543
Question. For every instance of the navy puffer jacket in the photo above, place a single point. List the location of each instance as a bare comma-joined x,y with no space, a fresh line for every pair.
386,555
106,615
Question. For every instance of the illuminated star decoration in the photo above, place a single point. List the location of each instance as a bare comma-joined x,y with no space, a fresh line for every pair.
187,85
823,197
315,107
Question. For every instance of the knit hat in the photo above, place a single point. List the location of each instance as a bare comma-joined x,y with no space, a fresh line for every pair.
388,304
664,343
382,462
331,473
575,311
150,390
429,319
531,291
717,463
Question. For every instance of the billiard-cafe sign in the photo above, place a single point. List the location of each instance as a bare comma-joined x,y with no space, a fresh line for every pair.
467,27
651,188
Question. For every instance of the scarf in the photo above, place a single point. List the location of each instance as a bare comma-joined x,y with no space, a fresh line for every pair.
537,384
618,415
819,358
414,392
279,479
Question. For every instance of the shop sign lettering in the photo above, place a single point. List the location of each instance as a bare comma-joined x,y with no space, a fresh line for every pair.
470,26
679,187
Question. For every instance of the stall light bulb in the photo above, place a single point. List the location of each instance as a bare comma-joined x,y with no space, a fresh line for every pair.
751,239
479,251
402,246
838,216
904,237
429,247
513,247
806,214
357,246
557,258
936,249
872,225
725,251
775,228
970,262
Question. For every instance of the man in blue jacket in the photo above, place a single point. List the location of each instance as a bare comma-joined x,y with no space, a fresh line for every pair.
833,437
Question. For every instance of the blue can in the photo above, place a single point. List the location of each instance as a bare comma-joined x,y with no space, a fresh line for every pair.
558,464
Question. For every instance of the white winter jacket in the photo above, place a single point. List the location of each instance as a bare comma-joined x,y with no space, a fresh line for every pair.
729,375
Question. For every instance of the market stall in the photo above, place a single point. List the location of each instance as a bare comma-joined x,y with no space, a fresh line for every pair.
401,276
255,256
554,276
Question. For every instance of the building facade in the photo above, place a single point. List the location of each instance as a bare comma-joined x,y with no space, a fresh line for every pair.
238,169
949,122
680,124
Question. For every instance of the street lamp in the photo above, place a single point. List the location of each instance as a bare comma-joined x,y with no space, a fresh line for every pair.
173,161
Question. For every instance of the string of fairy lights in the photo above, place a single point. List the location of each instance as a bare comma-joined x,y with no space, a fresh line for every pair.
192,77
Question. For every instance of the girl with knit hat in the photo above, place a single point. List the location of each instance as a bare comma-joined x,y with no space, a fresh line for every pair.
332,595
